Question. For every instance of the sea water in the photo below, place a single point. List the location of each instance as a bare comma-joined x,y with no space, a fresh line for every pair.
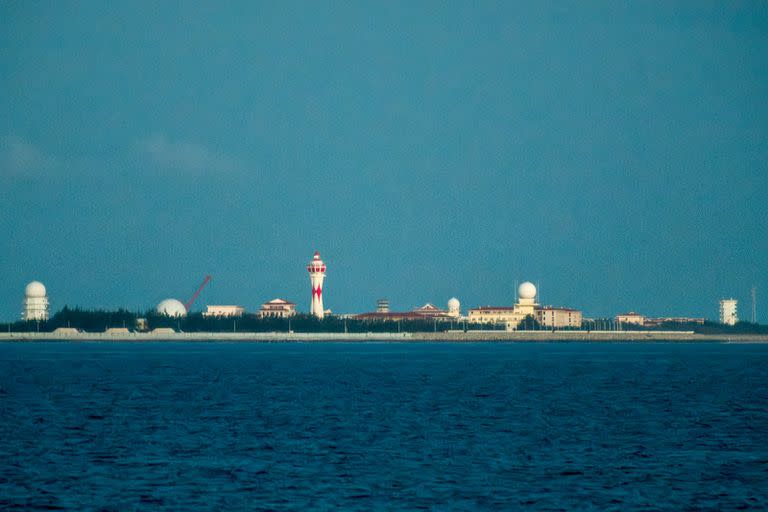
383,426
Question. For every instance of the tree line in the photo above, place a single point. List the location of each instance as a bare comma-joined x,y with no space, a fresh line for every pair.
100,320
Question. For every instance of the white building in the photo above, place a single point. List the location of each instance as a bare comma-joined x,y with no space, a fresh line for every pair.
224,311
277,308
171,307
35,302
526,305
728,311
454,307
630,317
382,306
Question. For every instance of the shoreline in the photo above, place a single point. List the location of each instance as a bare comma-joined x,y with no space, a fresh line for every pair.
450,336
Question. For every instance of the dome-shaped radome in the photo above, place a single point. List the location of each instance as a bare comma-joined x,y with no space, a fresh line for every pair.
35,289
171,307
526,291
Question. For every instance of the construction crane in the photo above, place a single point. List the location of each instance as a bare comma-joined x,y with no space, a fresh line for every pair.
191,301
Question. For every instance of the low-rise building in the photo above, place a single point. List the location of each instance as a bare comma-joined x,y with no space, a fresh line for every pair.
673,320
224,311
631,318
277,308
425,312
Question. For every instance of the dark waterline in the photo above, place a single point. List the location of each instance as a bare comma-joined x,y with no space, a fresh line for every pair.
384,426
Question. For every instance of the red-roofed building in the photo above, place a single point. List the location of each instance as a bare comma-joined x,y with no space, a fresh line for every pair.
427,311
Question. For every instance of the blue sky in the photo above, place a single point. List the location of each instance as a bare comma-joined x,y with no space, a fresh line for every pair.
615,153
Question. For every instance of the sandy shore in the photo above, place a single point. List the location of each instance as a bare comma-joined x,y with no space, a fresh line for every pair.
455,336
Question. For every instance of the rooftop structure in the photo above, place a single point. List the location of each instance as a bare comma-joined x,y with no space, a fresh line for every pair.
382,306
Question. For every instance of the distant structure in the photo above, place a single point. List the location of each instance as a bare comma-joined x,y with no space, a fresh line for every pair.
527,305
426,312
429,310
652,322
224,311
454,307
174,307
171,307
728,311
277,308
633,318
382,306
630,318
557,318
316,269
35,302
510,315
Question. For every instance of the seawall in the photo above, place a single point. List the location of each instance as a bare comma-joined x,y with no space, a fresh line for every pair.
451,336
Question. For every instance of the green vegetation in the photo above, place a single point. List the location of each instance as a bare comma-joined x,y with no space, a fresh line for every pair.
529,323
100,320
706,328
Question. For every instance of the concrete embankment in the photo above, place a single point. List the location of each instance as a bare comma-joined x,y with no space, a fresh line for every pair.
451,336
170,335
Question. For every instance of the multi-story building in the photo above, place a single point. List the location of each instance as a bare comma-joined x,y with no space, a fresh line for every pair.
277,308
728,311
511,316
527,306
558,318
224,311
494,315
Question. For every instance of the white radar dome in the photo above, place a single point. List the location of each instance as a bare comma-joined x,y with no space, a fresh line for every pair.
526,290
35,289
171,307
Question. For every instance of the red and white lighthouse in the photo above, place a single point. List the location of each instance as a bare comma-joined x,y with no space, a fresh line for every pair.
316,269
